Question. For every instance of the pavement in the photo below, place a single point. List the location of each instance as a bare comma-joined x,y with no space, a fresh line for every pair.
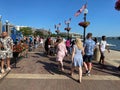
113,57
39,72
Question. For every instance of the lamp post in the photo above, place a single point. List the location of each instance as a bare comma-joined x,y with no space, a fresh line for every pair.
84,24
57,27
0,24
85,13
68,27
7,27
49,32
57,31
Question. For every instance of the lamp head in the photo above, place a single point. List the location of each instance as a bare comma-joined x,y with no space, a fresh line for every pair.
86,11
6,21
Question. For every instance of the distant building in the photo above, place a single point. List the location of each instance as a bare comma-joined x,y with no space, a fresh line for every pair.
0,26
72,34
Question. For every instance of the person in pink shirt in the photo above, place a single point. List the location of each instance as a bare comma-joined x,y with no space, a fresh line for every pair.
68,45
61,52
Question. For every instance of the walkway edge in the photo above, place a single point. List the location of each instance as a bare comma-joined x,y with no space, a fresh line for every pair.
49,76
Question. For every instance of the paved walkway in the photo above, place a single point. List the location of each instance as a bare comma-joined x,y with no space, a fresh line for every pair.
113,57
39,72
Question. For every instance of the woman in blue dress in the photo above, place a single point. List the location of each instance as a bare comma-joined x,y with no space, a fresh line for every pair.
77,57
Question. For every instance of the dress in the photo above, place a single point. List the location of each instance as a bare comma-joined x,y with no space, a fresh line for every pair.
61,51
78,59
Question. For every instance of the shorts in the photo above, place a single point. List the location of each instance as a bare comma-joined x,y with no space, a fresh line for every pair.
87,58
4,55
102,55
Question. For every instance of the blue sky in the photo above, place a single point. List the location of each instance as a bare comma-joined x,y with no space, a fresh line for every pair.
104,19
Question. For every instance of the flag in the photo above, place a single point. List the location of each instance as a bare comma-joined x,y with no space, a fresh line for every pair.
80,10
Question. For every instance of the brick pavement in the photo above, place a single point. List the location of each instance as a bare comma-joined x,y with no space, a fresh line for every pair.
39,72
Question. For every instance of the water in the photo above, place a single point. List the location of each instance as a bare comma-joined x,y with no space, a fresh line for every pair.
115,42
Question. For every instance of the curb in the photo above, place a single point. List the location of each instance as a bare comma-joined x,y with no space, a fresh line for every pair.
2,76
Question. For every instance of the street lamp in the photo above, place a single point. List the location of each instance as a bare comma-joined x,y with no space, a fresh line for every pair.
57,31
68,28
84,24
49,32
85,13
7,22
57,27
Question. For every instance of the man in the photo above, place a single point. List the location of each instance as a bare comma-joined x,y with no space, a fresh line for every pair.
89,46
7,51
103,46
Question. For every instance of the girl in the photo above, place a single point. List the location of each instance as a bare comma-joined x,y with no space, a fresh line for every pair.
77,57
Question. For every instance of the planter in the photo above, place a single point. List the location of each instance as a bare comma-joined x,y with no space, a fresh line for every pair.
84,24
57,31
68,28
117,5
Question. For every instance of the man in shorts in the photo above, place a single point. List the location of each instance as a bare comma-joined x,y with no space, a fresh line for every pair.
89,46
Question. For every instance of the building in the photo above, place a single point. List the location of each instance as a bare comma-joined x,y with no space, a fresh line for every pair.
71,34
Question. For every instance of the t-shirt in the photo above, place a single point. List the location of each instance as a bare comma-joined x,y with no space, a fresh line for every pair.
89,46
68,43
103,45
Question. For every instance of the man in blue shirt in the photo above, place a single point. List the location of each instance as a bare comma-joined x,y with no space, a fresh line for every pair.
89,46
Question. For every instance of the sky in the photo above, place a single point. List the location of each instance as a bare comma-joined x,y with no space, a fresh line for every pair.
103,18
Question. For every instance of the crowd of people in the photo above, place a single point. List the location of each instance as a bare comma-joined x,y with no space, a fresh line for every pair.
10,49
81,53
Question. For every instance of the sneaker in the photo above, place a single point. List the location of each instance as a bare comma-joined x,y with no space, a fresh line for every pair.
89,74
62,69
2,71
8,69
86,73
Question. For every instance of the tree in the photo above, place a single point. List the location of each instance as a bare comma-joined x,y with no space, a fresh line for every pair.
26,31
37,32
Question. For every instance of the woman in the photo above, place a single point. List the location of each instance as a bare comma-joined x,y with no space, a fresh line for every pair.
77,57
61,52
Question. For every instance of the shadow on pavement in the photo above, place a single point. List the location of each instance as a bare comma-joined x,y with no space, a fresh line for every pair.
106,69
52,68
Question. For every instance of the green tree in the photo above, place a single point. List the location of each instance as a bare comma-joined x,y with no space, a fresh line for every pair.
26,31
40,33
53,35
